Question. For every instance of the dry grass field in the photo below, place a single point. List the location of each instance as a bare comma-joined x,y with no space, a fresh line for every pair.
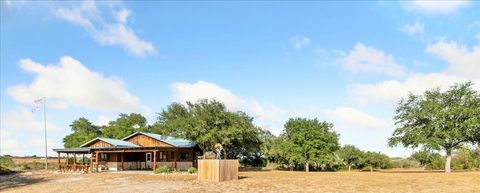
270,181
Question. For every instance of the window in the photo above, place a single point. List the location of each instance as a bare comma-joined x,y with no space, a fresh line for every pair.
162,156
149,157
103,156
184,156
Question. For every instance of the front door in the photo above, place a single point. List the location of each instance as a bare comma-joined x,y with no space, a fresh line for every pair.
148,161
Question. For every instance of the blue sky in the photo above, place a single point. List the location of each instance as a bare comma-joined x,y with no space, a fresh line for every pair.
344,62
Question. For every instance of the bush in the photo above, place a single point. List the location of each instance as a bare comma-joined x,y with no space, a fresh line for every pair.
192,170
6,162
437,164
162,170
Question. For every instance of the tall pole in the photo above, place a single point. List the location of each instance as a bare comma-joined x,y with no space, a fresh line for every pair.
45,125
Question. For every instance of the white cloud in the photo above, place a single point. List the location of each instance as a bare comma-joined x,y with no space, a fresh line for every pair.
18,125
436,7
463,65
462,61
102,120
354,118
71,84
413,29
299,41
266,115
391,91
23,119
118,32
364,59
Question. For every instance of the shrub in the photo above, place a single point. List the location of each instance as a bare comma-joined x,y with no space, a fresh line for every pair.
6,162
192,170
162,170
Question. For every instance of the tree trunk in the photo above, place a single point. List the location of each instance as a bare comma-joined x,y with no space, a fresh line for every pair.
349,168
371,169
306,167
448,161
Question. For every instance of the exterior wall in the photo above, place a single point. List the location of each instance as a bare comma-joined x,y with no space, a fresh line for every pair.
183,166
100,143
146,141
112,166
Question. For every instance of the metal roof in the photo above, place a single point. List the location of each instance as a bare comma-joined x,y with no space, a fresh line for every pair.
176,142
114,142
75,149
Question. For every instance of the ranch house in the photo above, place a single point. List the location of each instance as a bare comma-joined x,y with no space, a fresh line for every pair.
138,151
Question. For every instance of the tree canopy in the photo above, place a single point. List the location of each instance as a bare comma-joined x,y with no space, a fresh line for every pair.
350,155
439,120
82,131
208,122
307,140
125,125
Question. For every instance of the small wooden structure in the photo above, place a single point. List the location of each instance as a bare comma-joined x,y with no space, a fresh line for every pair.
217,170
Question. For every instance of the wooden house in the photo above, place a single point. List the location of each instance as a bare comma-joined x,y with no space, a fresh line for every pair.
138,151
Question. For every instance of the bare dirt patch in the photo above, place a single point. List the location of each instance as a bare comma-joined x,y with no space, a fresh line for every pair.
272,181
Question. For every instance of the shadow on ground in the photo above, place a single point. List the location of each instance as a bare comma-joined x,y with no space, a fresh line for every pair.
19,179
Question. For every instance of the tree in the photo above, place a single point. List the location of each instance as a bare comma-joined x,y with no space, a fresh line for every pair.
125,125
425,157
374,160
309,139
438,120
350,155
83,131
208,122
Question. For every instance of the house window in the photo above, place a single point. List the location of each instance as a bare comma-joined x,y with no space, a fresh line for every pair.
103,156
163,156
184,156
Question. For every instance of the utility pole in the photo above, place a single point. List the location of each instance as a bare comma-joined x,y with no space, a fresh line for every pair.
45,125
36,103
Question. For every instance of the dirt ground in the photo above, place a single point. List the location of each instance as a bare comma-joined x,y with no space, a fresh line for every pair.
268,181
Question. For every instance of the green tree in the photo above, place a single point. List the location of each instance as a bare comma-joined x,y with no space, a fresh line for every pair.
376,160
350,155
208,122
82,131
439,120
425,157
125,125
308,140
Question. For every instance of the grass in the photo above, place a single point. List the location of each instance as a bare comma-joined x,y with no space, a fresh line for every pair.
260,181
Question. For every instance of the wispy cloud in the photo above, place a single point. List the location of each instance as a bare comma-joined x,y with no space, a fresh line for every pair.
365,59
413,29
436,7
105,31
299,41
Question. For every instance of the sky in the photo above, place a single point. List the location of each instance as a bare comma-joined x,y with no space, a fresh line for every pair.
348,63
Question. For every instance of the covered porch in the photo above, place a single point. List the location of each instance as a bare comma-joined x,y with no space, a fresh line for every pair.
125,158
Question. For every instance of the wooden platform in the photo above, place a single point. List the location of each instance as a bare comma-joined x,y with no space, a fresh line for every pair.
217,170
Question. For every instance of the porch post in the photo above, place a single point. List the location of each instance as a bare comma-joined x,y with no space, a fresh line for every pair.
154,160
74,161
83,162
175,158
121,157
68,164
59,168
91,162
96,160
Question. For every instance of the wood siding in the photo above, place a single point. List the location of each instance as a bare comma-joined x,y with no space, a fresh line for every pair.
145,141
217,170
99,143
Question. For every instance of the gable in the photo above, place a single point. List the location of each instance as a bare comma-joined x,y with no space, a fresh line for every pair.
146,141
98,143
